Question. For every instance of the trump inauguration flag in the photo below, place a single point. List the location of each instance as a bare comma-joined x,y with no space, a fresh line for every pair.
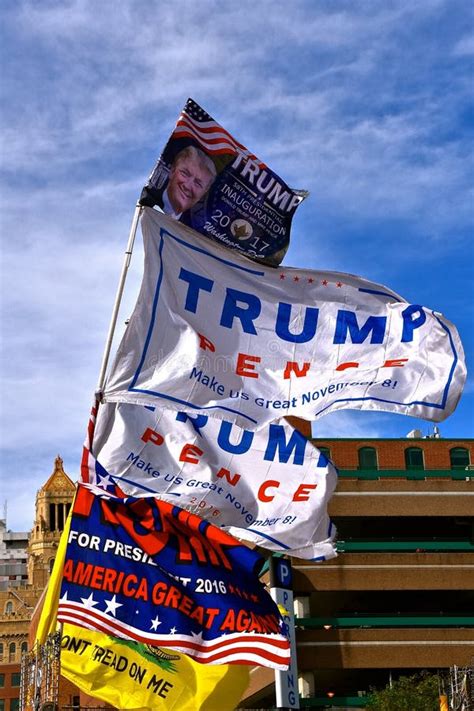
270,487
145,570
215,334
212,183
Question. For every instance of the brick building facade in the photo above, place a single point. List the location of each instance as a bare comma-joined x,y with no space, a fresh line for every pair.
400,595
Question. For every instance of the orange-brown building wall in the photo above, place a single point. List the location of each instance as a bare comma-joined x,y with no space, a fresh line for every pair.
390,452
8,691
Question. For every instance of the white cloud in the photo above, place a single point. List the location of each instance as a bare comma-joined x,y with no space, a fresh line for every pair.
464,47
361,104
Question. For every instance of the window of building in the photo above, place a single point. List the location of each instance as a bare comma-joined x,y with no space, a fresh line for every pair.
368,458
16,679
1,651
52,517
24,647
12,651
459,457
414,458
60,510
9,608
2,704
2,681
15,704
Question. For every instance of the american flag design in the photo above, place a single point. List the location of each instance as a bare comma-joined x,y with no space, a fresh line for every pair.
148,571
87,460
196,123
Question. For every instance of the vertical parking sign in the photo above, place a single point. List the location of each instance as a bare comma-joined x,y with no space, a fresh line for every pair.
281,590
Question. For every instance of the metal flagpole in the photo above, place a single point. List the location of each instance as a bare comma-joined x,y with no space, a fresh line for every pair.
118,298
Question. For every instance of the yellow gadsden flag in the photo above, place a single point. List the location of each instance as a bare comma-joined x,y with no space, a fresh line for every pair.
130,675
135,676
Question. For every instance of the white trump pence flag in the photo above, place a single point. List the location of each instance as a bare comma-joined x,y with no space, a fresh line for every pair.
216,334
270,487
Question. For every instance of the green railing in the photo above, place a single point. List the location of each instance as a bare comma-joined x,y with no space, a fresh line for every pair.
385,620
344,701
416,474
404,546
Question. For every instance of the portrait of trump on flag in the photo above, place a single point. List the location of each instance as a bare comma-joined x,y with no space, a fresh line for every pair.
191,174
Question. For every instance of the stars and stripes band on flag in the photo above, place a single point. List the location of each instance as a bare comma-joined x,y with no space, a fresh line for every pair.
215,334
211,182
194,122
145,570
269,487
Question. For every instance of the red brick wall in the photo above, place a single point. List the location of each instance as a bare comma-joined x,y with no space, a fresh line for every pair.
8,691
391,452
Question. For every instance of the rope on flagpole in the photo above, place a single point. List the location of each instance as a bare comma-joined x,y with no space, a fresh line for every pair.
118,299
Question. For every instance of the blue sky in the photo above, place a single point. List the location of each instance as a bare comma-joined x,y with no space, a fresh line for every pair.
368,105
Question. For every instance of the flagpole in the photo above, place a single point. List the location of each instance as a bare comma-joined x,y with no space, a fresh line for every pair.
118,298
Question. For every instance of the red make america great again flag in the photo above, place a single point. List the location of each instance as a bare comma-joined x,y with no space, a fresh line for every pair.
148,571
